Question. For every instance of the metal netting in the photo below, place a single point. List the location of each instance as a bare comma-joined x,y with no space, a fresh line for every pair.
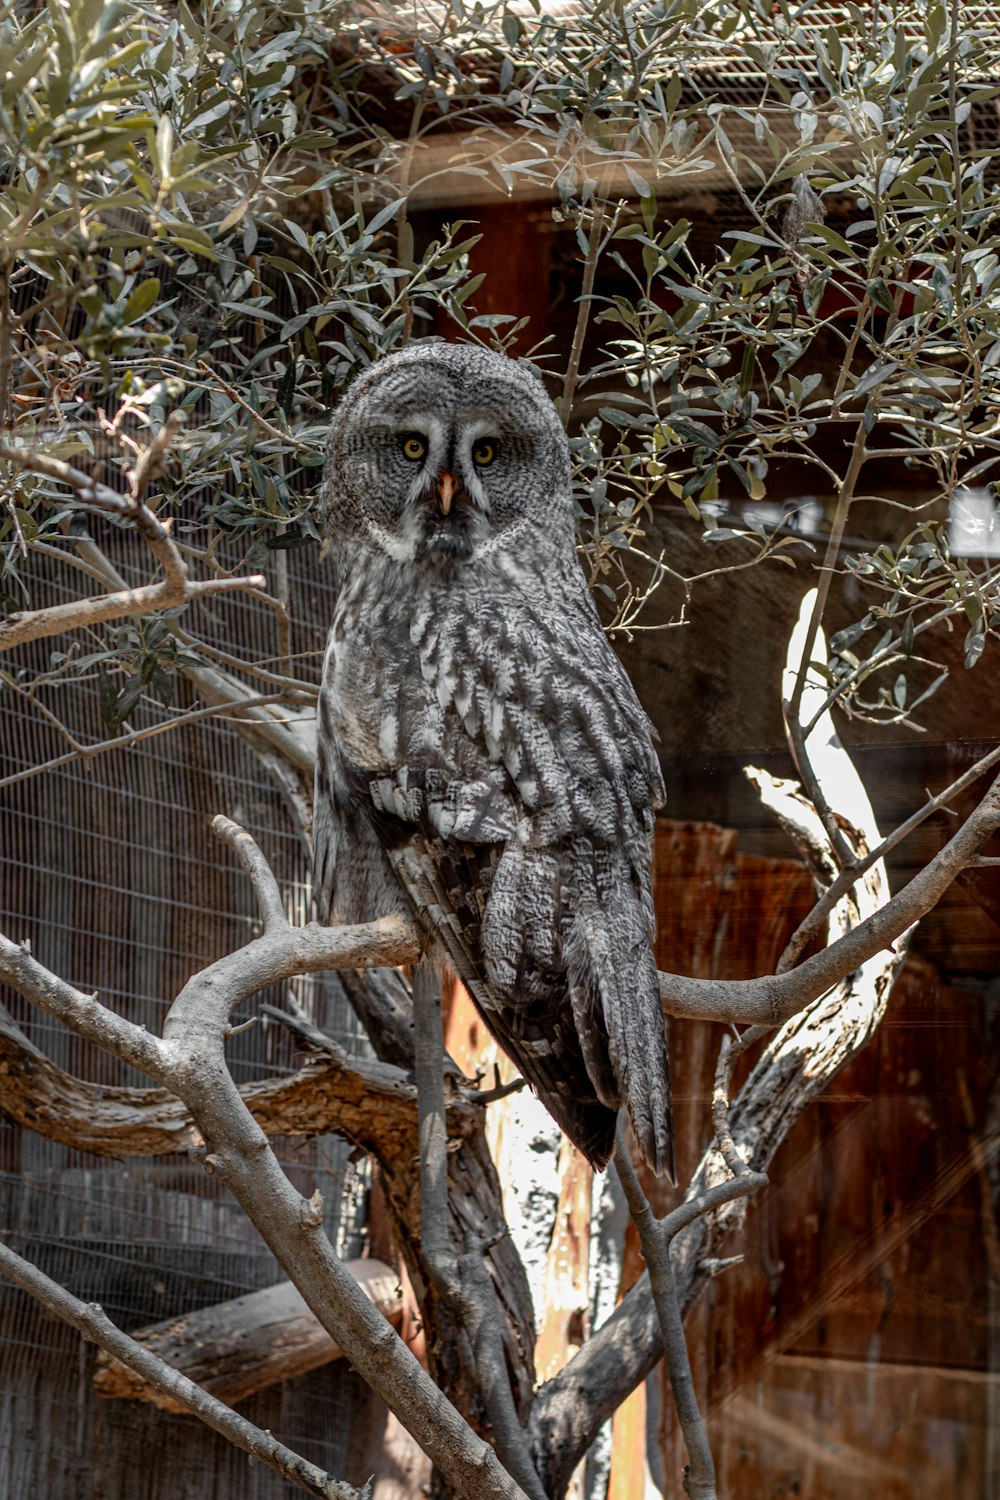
109,868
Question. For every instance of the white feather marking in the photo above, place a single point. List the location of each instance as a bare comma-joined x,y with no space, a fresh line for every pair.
388,737
419,623
445,688
463,697
401,549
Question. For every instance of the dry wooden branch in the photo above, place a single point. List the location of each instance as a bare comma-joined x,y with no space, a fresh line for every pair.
241,1346
176,587
190,1060
283,744
775,998
569,1408
812,924
123,741
373,1104
460,1276
97,1328
798,1063
657,1236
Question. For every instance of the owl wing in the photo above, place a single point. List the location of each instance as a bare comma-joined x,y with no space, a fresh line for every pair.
522,843
448,881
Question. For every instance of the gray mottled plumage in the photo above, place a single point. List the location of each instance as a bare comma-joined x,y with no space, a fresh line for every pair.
483,762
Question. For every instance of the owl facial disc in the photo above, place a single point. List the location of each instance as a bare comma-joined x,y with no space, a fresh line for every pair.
449,456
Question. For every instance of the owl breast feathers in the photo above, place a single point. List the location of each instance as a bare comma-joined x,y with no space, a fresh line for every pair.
483,762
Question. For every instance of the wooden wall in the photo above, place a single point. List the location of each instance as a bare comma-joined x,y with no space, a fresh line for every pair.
856,1351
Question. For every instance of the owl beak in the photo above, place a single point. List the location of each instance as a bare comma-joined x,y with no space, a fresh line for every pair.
447,486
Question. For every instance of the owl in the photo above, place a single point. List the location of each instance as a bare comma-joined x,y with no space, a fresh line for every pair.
483,763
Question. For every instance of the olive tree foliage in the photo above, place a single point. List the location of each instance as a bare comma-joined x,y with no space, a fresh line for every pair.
210,220
205,211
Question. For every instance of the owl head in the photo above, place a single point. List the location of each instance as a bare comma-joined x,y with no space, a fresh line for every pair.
442,453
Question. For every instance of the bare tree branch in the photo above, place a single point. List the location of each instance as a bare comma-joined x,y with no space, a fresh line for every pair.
237,1347
190,1060
133,737
656,1237
775,998
812,924
795,1065
461,1277
372,1104
288,736
176,587
96,1327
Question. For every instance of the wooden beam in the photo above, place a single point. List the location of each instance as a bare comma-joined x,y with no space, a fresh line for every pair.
238,1347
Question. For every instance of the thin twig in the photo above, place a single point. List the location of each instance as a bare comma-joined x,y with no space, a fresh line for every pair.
189,1060
810,925
265,887
845,853
655,1236
295,1020
492,1096
89,752
234,396
729,1051
89,491
583,309
775,998
6,353
845,495
174,588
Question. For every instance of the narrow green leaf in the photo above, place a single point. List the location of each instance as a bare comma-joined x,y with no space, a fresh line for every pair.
141,300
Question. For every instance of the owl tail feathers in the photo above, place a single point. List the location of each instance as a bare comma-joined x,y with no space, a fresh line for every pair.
615,993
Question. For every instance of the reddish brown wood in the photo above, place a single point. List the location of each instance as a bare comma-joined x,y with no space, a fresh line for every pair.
850,1352
513,255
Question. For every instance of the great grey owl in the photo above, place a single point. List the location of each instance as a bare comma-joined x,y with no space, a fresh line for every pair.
484,765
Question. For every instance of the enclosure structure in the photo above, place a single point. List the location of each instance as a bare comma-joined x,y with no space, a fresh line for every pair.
856,1349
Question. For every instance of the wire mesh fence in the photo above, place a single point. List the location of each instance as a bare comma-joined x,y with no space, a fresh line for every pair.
109,868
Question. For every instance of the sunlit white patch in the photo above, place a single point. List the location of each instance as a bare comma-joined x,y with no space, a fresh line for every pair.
513,760
388,737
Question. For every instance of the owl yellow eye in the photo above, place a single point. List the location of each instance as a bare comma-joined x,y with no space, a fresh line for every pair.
413,447
484,452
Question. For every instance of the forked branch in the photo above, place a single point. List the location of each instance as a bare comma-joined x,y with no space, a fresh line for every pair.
847,1004
657,1236
190,1060
460,1274
175,587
